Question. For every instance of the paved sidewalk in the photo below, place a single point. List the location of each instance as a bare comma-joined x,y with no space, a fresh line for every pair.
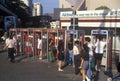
33,69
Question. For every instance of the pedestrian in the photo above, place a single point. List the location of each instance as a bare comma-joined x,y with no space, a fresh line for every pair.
99,49
10,44
91,56
76,53
70,50
15,41
39,46
51,49
84,62
60,54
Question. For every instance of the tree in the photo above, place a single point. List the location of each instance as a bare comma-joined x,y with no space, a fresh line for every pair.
102,8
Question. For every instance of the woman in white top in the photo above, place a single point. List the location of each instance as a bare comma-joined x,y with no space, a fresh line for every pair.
76,53
10,44
39,48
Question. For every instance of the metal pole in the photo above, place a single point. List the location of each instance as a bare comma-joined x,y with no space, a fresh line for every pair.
73,22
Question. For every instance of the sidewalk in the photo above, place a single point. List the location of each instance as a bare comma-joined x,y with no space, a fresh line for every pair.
33,69
69,71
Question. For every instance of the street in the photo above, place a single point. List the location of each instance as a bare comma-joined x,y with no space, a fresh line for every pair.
33,69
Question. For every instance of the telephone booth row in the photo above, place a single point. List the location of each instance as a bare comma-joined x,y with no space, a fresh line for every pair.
27,40
107,55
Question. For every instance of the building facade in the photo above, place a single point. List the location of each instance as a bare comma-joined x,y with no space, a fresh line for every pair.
37,9
29,3
89,4
111,4
65,4
93,19
4,8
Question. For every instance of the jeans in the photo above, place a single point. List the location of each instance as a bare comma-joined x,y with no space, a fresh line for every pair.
89,71
71,57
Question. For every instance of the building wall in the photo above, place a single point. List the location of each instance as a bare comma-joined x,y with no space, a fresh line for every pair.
93,4
92,18
29,4
64,4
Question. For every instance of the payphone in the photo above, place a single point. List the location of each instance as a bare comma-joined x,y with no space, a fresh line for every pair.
107,55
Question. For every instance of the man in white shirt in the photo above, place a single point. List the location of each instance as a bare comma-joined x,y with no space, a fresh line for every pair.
10,44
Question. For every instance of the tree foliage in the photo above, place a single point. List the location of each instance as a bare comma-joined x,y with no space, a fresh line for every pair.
102,8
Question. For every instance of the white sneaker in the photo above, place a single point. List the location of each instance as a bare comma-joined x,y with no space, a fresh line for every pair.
99,69
40,58
87,78
96,68
60,69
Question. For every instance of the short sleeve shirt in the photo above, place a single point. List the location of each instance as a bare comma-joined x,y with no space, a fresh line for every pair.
39,44
100,47
91,49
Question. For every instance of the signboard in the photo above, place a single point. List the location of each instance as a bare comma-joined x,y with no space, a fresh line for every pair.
91,13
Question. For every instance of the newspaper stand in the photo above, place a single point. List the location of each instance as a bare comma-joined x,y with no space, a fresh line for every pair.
107,55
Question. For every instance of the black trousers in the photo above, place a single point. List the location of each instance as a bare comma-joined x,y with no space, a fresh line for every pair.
77,62
11,53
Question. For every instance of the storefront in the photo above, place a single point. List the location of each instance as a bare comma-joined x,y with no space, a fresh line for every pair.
94,19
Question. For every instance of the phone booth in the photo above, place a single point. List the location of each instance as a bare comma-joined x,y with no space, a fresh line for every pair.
31,42
55,35
52,44
44,37
75,34
19,42
60,36
107,55
36,35
26,43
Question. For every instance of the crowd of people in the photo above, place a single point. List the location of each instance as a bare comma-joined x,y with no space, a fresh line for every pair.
85,58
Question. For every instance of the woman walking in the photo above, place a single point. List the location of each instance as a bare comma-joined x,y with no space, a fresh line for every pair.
60,55
84,62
